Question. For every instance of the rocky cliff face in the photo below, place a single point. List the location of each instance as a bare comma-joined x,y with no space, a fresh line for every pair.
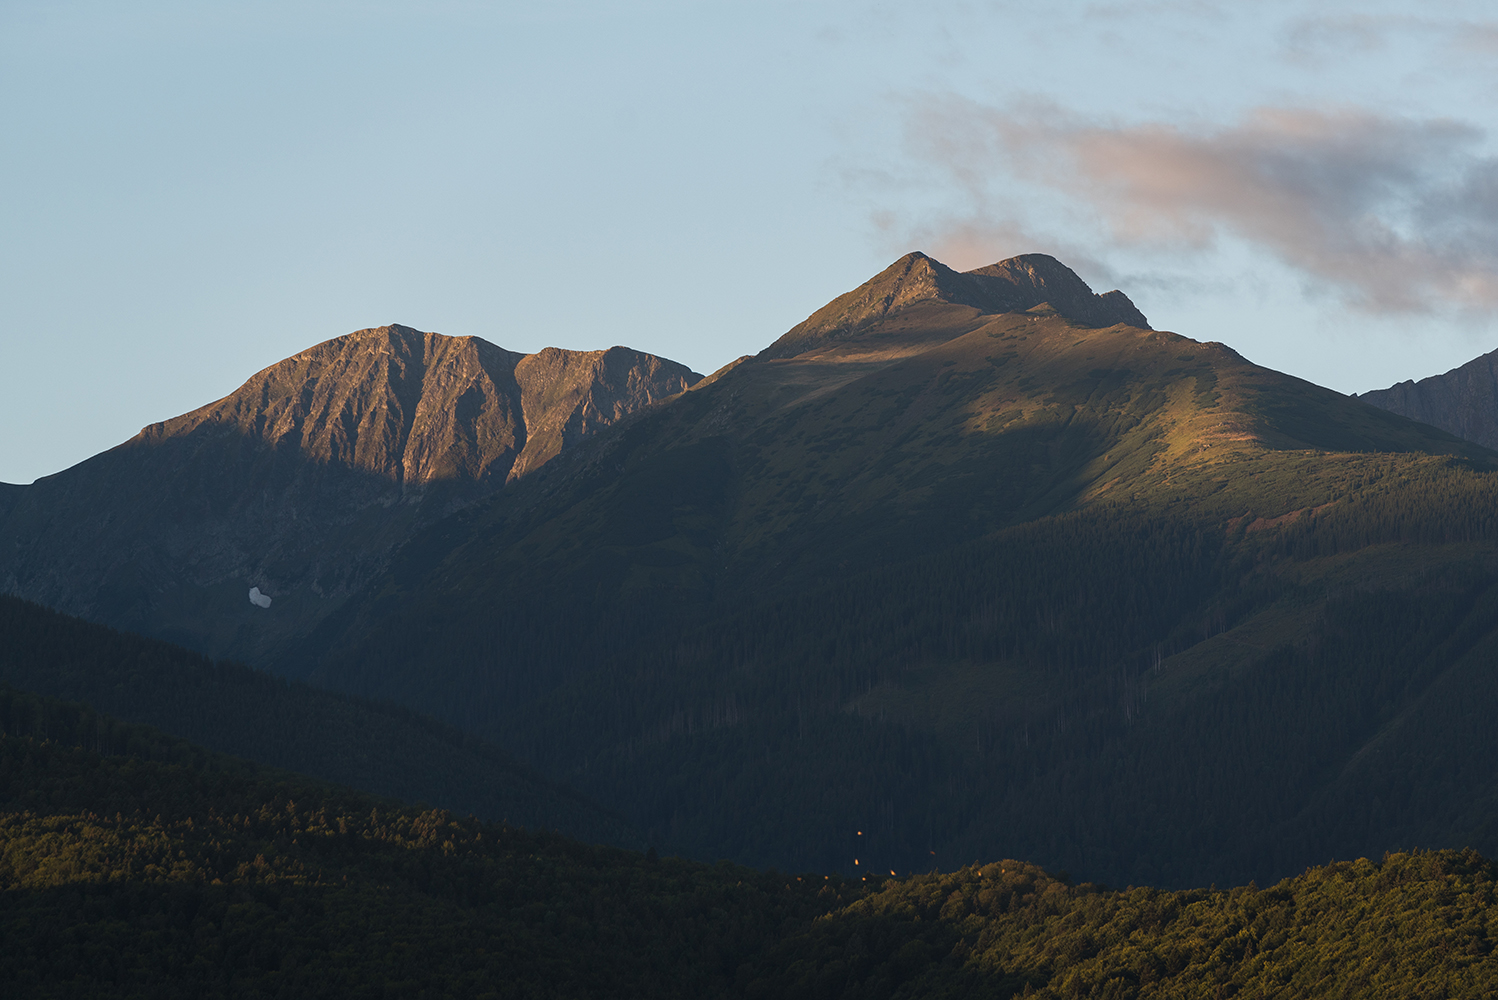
1464,401
301,482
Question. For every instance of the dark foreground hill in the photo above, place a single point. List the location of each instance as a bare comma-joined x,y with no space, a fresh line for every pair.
135,865
302,481
229,708
979,574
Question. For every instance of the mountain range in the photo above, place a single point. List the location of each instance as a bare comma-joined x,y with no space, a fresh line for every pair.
966,565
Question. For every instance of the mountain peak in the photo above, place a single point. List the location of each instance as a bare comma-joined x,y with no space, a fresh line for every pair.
1012,285
303,480
1037,269
1025,281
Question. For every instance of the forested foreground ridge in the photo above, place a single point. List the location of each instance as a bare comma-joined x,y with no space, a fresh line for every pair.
136,865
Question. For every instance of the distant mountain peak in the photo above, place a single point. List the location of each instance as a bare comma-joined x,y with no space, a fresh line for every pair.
1463,401
304,479
413,407
1012,285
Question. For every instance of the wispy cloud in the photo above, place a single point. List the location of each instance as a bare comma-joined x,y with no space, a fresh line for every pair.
1311,39
1390,214
1323,38
1479,37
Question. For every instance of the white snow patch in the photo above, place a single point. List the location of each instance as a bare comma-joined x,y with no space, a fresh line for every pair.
258,599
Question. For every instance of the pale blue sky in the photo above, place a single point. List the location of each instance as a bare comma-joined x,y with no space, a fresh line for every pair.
193,191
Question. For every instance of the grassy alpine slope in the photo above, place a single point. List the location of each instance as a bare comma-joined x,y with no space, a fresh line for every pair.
979,578
134,865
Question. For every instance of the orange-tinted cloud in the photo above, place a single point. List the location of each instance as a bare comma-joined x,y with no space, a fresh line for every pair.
1390,214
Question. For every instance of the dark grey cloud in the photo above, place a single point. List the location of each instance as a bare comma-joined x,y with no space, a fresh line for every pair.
1389,214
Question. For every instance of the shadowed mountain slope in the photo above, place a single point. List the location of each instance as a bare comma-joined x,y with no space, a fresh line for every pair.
956,572
380,749
1464,401
302,481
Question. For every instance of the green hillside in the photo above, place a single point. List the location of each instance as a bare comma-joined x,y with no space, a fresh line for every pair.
380,748
978,583
136,865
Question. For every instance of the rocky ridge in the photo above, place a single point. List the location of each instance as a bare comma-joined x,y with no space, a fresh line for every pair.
1464,401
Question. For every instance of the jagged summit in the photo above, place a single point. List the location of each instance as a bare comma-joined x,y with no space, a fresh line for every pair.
915,280
414,407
